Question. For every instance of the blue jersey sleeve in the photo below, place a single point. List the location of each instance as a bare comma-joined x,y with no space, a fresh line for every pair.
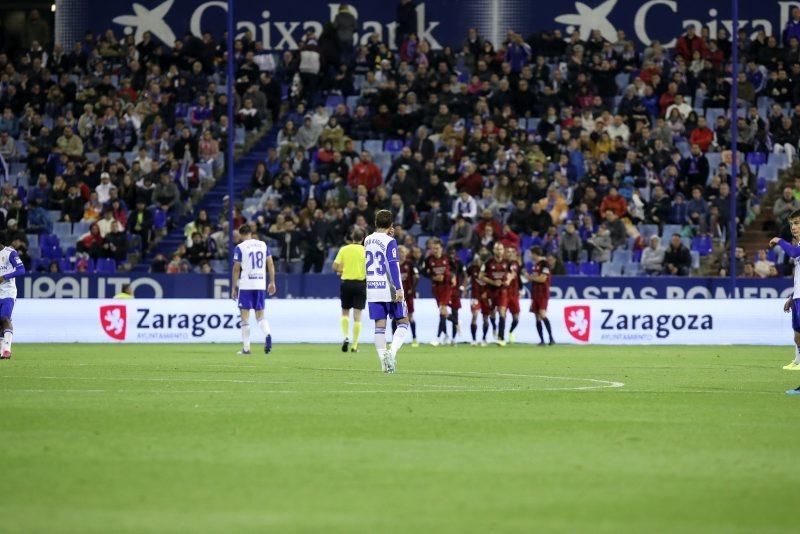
237,254
268,251
393,259
19,267
791,250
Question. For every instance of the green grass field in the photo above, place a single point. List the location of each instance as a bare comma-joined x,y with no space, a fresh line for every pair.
522,439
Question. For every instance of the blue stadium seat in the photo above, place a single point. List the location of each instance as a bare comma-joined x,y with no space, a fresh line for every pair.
80,228
62,229
422,241
621,256
334,100
352,103
590,268
106,265
611,268
761,186
571,267
711,116
633,269
394,146
695,259
357,146
670,229
702,244
755,159
373,146
769,172
781,161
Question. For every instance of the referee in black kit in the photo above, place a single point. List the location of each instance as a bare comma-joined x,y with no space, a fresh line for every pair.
351,265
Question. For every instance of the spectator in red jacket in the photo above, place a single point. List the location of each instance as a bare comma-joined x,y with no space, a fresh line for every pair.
702,136
488,220
471,182
365,173
615,202
689,42
668,98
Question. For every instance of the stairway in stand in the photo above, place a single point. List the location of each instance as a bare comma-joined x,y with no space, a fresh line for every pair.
211,202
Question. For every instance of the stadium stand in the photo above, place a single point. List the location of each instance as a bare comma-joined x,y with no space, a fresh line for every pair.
114,147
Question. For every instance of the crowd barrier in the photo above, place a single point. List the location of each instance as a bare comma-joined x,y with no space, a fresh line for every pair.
615,322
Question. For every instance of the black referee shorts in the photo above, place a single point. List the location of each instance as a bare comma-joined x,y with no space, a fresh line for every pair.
353,294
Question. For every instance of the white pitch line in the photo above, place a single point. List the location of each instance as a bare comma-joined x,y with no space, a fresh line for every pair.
441,388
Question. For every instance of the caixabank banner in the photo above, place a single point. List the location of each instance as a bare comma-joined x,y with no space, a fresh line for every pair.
280,25
605,322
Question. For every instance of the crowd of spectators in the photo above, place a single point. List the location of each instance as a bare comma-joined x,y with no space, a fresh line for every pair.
586,148
106,145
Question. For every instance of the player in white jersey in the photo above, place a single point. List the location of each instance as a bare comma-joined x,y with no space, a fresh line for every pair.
251,262
385,289
10,267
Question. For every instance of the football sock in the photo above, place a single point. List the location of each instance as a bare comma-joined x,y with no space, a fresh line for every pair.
501,328
394,326
494,322
356,333
345,327
399,337
473,328
380,341
246,336
514,323
485,329
263,324
454,319
539,329
797,355
413,329
7,337
547,325
442,326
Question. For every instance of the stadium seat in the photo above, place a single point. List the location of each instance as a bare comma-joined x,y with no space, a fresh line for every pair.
65,265
611,268
394,146
422,240
533,124
670,229
712,114
781,161
218,266
633,269
702,245
357,145
80,228
159,219
755,159
714,159
761,186
465,255
769,172
352,103
62,229
106,265
695,260
684,148
571,267
54,215
590,268
373,146
621,256
334,100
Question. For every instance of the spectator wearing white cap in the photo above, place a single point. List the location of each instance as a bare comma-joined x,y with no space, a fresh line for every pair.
104,188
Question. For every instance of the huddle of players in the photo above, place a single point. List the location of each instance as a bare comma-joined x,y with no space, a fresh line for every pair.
494,284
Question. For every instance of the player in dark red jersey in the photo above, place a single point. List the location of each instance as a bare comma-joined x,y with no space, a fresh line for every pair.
514,269
496,276
459,282
410,276
437,268
540,292
479,300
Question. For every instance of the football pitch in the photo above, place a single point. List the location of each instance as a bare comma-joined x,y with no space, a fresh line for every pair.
192,438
